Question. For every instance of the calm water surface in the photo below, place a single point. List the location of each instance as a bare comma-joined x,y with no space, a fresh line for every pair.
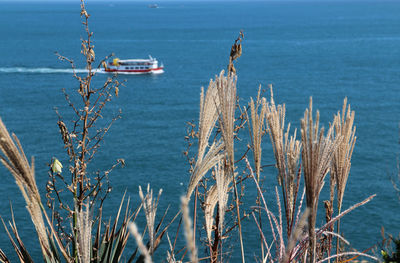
327,50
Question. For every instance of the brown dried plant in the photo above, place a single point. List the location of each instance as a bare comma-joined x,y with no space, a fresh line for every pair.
236,52
317,154
82,140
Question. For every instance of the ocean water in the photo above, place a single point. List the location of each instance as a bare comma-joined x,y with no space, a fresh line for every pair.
325,49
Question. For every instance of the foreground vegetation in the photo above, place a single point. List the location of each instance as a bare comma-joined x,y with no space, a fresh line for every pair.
70,226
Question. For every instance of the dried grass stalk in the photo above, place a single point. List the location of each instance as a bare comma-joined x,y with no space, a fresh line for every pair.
84,233
287,154
256,128
276,126
222,183
209,104
217,193
317,153
15,161
170,255
139,240
208,116
188,230
341,163
213,156
226,87
150,207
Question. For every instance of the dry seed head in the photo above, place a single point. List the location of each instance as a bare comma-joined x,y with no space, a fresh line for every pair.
16,162
150,207
213,156
256,128
222,183
209,111
317,154
217,193
226,86
341,163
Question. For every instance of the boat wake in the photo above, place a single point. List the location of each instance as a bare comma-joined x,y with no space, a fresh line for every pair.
45,70
25,70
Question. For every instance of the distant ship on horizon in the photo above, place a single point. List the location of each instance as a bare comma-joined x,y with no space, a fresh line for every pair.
153,6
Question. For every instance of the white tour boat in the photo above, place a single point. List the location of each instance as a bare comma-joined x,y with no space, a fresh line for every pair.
134,66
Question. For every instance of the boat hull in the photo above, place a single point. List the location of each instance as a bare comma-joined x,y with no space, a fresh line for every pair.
159,70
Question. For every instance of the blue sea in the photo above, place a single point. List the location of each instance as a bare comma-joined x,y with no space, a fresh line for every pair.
327,50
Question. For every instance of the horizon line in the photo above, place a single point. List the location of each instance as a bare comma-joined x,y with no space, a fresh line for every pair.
182,1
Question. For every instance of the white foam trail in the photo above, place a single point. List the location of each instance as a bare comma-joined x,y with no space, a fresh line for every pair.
44,70
64,71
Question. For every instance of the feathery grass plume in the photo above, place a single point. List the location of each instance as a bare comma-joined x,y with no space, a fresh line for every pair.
256,125
218,193
256,128
317,153
287,155
341,162
222,184
226,86
295,237
84,233
139,240
207,119
150,208
208,116
188,230
15,161
213,156
276,126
